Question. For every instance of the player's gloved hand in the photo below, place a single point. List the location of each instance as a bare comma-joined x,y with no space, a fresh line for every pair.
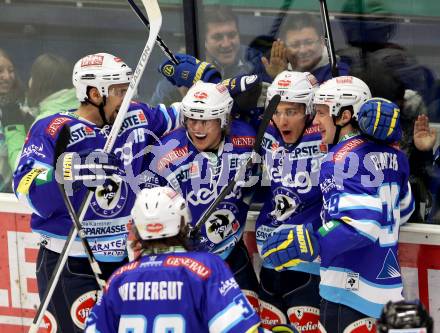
380,119
188,71
288,247
242,83
90,168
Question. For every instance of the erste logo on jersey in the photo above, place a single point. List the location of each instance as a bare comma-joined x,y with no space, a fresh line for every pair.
222,223
109,200
79,132
132,120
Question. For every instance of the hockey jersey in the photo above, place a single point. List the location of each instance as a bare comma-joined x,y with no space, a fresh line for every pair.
366,198
106,219
200,176
295,197
175,292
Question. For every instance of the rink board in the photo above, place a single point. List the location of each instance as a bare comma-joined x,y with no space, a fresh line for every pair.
419,257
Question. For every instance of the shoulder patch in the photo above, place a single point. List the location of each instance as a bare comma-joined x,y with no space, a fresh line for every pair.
190,264
55,125
173,155
243,141
346,148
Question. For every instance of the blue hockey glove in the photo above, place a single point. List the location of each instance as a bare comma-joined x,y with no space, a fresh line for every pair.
91,168
242,83
380,119
188,71
288,247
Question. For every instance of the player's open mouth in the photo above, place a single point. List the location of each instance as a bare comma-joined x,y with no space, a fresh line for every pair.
200,136
286,133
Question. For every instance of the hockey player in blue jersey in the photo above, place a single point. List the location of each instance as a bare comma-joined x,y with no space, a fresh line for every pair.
101,81
197,160
291,154
167,288
366,194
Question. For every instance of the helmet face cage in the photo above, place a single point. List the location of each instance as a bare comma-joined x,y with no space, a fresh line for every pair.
342,91
99,70
404,315
158,212
294,87
207,101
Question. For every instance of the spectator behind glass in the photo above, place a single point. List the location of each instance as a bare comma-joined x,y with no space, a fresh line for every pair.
369,41
50,91
306,51
11,96
223,49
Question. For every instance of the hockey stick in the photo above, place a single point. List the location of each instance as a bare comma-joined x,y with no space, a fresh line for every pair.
155,16
170,55
267,116
328,38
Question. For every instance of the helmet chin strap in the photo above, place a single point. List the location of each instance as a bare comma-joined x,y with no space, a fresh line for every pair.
338,130
100,107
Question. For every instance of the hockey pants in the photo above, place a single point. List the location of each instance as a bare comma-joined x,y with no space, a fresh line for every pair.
289,297
76,290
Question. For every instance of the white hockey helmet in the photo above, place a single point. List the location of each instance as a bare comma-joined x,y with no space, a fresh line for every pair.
99,70
157,213
342,91
296,87
207,101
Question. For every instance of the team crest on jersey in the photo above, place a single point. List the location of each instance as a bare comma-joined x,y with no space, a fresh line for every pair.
304,318
82,307
110,199
364,325
286,203
271,315
222,223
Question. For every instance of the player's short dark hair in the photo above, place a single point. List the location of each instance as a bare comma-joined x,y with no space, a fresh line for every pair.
300,21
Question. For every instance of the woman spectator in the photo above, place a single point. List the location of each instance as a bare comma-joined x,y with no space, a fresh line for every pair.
11,97
50,91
